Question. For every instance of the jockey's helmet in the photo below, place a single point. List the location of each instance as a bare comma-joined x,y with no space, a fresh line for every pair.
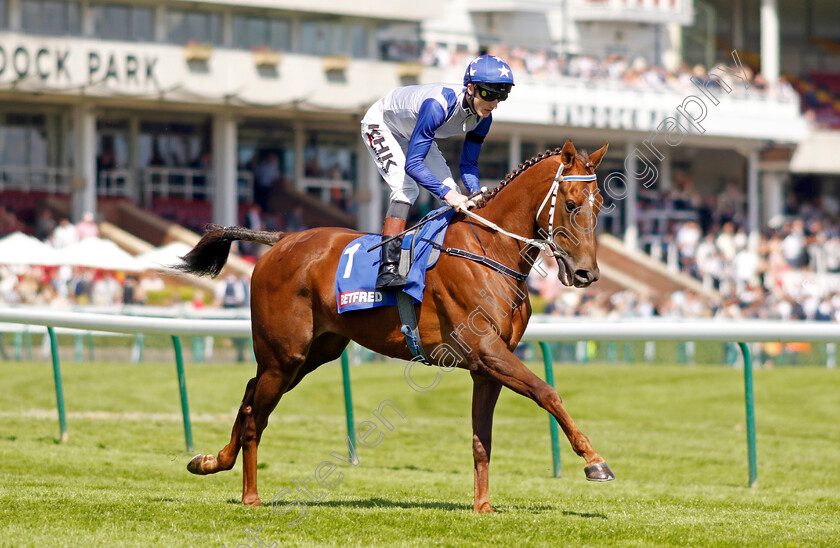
491,75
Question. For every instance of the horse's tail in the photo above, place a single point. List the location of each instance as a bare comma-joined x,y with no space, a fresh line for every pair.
210,254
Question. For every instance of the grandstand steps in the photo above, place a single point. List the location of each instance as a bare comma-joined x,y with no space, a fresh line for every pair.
629,268
614,280
285,198
148,227
59,205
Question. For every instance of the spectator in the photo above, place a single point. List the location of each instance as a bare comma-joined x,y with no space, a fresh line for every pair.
793,246
203,164
266,174
105,163
150,281
87,227
253,221
233,293
106,290
45,225
157,159
64,234
294,220
725,242
81,286
746,267
253,218
9,222
132,291
687,239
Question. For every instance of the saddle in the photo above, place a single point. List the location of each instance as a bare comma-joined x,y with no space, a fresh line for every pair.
355,278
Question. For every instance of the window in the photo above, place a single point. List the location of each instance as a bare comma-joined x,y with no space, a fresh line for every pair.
330,154
192,26
399,42
254,32
329,37
23,140
315,37
330,167
173,144
50,16
123,22
4,14
359,41
258,140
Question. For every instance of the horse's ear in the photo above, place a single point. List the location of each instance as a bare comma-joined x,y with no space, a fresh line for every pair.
567,155
596,157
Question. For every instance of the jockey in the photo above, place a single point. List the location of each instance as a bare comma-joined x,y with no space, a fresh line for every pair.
399,132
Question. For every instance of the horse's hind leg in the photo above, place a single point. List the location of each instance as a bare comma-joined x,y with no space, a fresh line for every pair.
272,383
274,375
208,464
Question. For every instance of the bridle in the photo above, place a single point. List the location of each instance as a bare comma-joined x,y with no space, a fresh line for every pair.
547,245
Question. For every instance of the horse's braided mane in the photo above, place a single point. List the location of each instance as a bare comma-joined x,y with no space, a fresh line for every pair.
581,155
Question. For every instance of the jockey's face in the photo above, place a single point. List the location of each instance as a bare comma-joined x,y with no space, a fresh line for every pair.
482,108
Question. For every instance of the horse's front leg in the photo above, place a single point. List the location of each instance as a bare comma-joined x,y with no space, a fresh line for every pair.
485,395
499,363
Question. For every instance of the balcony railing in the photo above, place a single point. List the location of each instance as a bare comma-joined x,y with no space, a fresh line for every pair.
115,182
325,188
650,11
743,113
189,183
48,179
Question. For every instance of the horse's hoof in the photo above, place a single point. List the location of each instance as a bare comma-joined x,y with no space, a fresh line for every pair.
195,463
599,472
252,501
484,509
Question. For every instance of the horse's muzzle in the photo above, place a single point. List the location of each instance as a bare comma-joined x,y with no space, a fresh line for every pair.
584,277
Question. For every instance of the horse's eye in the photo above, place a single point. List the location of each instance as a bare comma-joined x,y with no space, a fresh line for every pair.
570,205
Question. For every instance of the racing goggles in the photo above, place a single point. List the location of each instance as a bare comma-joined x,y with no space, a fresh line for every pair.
492,92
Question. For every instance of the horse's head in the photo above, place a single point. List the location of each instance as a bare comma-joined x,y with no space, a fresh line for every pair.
569,214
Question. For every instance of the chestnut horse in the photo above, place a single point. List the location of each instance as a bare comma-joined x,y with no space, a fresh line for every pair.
296,326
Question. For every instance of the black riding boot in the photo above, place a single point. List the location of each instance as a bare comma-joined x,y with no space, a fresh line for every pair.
389,278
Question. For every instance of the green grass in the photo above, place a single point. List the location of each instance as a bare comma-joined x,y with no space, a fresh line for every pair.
674,437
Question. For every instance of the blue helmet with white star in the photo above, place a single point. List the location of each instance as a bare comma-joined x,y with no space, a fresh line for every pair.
488,69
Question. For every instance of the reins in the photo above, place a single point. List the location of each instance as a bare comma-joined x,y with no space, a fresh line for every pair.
543,244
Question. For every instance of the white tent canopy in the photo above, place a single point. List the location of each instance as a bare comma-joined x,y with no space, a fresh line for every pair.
99,253
19,249
164,257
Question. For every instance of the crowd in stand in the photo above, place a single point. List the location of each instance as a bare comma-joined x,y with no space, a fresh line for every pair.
614,68
791,271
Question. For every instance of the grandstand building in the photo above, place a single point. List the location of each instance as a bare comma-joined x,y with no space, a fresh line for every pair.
194,109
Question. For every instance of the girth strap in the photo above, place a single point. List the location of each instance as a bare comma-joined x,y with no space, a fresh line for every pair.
486,261
405,305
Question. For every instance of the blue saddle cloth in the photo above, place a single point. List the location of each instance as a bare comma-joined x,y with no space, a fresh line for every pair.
355,279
